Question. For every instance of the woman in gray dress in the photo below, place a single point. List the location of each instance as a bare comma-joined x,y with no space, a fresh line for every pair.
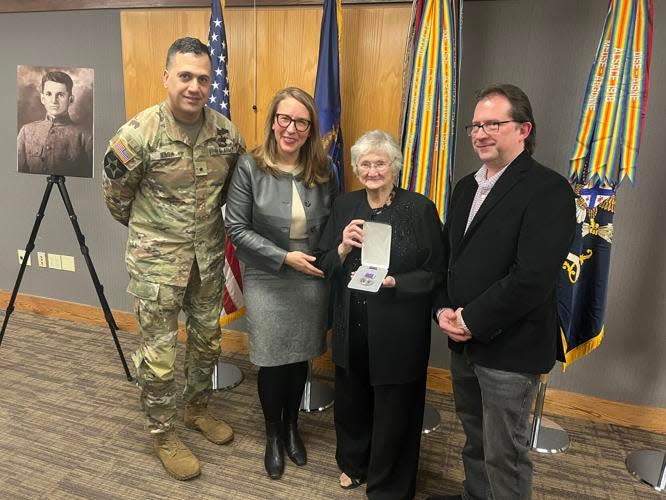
279,200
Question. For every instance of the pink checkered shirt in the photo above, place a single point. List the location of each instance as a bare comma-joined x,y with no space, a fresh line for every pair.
485,185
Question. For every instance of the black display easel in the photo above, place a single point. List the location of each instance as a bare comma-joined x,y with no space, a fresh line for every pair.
60,181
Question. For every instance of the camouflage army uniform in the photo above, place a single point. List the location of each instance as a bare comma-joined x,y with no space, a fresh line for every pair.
169,193
55,146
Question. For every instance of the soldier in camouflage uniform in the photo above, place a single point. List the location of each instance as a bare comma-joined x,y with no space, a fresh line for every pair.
165,174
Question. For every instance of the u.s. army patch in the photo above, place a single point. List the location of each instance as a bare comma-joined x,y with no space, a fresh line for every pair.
113,168
122,150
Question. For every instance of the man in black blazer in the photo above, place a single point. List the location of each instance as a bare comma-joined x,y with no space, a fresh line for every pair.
507,234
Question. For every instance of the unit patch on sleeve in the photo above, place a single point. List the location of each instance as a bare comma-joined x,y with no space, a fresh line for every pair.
113,168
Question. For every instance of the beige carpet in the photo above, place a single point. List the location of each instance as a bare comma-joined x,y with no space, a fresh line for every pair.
70,427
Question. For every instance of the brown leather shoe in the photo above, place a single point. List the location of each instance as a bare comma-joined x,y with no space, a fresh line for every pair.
216,431
176,458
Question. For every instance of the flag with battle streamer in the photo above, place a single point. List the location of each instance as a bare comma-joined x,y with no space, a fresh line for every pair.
605,153
429,102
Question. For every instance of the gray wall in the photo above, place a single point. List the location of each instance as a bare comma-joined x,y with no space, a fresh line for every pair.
544,46
86,39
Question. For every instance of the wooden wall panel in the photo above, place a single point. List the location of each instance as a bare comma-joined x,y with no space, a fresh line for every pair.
146,37
287,52
239,24
374,41
286,47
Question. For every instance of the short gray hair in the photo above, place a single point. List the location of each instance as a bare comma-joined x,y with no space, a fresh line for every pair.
377,141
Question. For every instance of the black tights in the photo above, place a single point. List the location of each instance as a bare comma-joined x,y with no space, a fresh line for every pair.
280,390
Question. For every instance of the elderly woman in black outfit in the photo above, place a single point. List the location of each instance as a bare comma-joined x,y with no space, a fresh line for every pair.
381,342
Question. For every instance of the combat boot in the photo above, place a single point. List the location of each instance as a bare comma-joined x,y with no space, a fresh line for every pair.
216,431
177,458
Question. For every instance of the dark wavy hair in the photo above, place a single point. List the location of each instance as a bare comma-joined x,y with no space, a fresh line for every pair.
58,77
521,109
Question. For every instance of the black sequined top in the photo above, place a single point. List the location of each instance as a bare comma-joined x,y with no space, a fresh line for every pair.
398,319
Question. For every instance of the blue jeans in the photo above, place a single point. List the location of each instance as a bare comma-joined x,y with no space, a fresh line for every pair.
494,407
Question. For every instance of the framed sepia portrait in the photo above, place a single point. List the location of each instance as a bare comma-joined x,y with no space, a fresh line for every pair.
55,120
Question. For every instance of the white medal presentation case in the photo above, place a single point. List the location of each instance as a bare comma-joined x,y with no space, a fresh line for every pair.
375,256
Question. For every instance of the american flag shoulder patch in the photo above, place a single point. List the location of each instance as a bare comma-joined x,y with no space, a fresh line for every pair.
122,150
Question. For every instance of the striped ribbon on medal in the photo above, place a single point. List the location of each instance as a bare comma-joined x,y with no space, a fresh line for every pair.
429,115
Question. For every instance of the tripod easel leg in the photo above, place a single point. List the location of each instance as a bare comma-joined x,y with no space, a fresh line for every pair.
28,249
60,180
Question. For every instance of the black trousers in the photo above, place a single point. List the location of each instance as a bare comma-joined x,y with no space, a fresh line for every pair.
378,427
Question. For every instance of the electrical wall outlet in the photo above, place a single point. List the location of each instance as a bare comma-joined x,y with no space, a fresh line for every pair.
21,256
67,262
41,259
55,261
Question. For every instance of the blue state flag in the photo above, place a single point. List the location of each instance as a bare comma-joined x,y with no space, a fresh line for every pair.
584,279
327,87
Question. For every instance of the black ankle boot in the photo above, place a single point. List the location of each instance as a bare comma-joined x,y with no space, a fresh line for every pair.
293,442
274,456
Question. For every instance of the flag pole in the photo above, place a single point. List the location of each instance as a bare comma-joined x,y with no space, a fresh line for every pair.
225,375
318,396
547,436
649,466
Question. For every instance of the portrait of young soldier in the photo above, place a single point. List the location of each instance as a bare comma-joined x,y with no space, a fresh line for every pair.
55,145
165,177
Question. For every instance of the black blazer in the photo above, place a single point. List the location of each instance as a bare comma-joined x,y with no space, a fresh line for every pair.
399,319
503,271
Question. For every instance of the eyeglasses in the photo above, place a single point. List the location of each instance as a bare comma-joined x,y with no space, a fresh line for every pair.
366,166
301,124
488,127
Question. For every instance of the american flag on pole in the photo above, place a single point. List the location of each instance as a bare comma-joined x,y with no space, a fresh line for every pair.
233,304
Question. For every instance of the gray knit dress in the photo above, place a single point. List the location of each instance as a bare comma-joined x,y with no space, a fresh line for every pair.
286,313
